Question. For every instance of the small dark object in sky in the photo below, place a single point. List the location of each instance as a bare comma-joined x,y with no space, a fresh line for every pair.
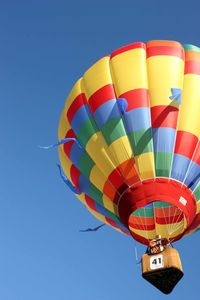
92,229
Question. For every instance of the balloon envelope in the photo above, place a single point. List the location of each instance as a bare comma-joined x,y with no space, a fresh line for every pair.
135,116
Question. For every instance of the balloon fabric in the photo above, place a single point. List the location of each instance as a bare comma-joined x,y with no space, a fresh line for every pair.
131,123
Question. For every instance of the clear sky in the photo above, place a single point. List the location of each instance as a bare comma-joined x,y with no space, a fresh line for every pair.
45,46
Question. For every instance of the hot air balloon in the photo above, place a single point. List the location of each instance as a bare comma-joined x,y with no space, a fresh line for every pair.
130,147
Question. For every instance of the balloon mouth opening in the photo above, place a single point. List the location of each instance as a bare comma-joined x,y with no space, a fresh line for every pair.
157,206
157,218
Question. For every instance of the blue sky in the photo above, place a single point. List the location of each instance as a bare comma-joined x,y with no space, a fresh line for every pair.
44,47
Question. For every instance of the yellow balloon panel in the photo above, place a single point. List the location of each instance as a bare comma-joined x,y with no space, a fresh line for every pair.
164,73
99,152
189,116
129,70
77,90
97,76
145,165
65,162
64,126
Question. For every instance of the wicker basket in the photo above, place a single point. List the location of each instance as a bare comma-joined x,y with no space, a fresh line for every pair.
163,270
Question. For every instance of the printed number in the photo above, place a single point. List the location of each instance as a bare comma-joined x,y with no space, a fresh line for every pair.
156,262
